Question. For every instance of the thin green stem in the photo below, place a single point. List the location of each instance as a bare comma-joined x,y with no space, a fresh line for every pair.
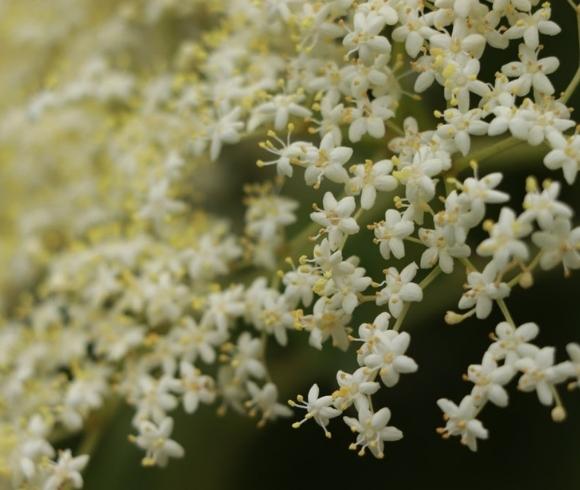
402,316
395,127
484,153
95,427
571,88
506,313
414,240
429,278
423,284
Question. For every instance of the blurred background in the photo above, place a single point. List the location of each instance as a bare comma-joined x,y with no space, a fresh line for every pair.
525,449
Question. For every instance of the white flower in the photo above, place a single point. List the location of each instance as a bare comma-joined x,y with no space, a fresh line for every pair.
154,397
267,215
354,387
399,289
85,393
482,289
299,285
155,440
325,257
365,37
193,341
531,72
461,39
326,322
328,162
368,335
331,114
460,125
529,26
559,243
462,421
380,8
273,316
32,448
197,387
417,176
511,343
368,117
66,470
279,109
289,153
413,31
388,356
225,130
461,8
369,178
372,430
504,242
347,286
318,408
391,232
476,193
336,218
571,368
489,380
223,307
565,154
159,204
247,360
173,165
544,206
439,251
535,121
538,374
265,400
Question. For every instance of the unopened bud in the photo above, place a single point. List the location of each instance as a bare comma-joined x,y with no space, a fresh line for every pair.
558,414
526,280
452,318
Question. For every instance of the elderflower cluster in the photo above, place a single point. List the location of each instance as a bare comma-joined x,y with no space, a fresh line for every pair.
130,275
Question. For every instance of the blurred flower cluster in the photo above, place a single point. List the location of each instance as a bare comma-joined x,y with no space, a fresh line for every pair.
124,280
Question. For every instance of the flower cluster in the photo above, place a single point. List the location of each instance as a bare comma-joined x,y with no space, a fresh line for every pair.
124,279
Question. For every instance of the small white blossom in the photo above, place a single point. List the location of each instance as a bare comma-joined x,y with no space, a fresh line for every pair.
368,117
197,387
365,38
538,374
327,162
489,380
531,72
544,206
511,343
155,440
318,408
462,421
353,387
399,289
336,218
369,178
372,430
559,244
391,232
66,470
482,289
504,242
388,356
565,154
265,400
